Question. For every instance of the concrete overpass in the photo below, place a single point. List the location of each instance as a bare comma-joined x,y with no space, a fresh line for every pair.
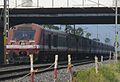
93,15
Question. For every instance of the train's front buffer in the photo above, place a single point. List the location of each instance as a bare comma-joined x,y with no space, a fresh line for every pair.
20,52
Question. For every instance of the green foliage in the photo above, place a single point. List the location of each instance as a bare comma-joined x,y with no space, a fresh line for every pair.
107,73
49,26
118,67
96,39
107,40
88,35
80,31
70,29
89,75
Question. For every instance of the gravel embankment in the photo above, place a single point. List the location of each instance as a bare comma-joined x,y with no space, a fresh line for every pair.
62,74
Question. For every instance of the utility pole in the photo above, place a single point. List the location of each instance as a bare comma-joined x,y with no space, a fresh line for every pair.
37,3
67,3
116,30
15,3
52,3
83,3
98,3
6,25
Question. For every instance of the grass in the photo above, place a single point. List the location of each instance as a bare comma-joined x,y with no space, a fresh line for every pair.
107,73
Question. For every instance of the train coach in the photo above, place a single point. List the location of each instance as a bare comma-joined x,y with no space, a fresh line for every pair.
26,39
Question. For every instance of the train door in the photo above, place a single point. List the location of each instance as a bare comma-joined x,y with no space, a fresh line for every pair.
77,44
67,44
49,41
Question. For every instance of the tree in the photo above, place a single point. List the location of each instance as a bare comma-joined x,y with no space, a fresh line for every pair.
96,39
49,26
88,35
55,27
68,29
107,40
79,31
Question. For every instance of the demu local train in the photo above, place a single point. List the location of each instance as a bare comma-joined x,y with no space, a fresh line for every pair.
44,44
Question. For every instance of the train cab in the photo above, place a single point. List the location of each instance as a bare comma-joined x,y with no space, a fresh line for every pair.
22,41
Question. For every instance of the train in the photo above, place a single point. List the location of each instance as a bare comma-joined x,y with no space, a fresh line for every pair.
44,44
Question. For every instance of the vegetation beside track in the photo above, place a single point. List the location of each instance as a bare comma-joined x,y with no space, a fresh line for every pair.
107,73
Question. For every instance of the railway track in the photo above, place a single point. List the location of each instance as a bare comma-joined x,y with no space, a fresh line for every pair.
12,72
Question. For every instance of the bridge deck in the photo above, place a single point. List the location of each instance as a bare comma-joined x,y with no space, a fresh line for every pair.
93,15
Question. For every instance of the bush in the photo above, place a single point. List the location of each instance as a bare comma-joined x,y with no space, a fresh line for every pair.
106,73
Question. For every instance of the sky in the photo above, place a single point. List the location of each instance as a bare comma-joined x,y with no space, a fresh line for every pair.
103,31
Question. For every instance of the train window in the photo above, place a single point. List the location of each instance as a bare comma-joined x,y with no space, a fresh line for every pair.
67,40
55,40
80,42
49,41
62,41
46,40
24,35
74,42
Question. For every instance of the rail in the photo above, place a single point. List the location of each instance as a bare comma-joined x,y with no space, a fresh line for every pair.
22,72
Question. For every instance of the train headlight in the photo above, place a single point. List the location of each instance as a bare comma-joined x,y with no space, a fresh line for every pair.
6,52
22,43
31,41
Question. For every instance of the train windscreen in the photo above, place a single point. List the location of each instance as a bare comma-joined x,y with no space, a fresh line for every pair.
24,35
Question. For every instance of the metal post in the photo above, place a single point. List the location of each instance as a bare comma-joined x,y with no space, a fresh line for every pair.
32,70
110,56
96,64
83,3
101,59
37,3
98,3
15,3
116,31
114,57
52,3
70,67
55,67
6,25
67,3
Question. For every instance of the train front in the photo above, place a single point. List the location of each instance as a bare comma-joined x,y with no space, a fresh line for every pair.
22,41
